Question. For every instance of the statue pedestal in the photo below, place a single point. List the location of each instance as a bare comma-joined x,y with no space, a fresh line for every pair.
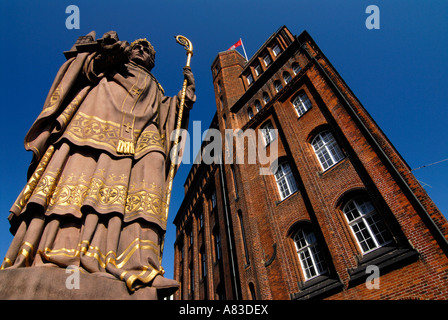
49,283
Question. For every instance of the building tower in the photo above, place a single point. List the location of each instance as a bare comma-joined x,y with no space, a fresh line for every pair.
339,205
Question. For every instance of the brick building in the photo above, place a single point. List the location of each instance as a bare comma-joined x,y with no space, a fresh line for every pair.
339,207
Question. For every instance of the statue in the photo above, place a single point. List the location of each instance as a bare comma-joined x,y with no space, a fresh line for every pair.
96,195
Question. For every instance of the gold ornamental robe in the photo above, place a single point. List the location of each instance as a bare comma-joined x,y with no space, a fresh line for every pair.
96,192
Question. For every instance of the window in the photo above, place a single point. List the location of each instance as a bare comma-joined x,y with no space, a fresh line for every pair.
219,87
182,251
217,239
243,233
257,105
268,133
203,263
213,198
285,180
310,255
287,77
201,220
276,50
250,113
266,98
258,70
191,279
267,60
296,68
250,79
278,85
301,103
235,185
327,149
366,224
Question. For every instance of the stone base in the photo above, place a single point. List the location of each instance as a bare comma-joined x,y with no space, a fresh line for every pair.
48,283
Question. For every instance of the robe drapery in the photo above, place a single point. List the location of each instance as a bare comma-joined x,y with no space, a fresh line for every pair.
96,191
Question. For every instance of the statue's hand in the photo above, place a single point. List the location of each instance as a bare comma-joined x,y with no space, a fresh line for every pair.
112,50
190,96
188,74
115,52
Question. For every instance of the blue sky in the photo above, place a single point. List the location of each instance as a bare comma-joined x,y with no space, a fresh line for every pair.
399,72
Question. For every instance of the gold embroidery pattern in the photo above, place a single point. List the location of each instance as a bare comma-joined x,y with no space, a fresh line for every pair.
85,248
54,99
106,134
146,201
25,195
149,140
68,112
111,193
73,191
145,274
85,128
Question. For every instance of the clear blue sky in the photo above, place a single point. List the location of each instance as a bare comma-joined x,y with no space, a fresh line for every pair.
398,72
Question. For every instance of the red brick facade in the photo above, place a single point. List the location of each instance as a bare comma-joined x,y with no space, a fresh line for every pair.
352,197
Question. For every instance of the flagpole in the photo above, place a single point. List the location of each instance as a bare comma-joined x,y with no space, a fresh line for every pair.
244,49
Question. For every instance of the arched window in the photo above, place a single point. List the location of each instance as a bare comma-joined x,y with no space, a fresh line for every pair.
310,255
250,113
268,132
285,180
296,68
266,98
366,224
278,85
327,150
287,77
301,103
257,105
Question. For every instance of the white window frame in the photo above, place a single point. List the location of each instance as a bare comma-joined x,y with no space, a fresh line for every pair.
250,78
258,70
296,68
267,60
309,253
266,98
268,133
278,85
287,77
327,150
276,50
302,103
366,225
257,105
284,178
250,113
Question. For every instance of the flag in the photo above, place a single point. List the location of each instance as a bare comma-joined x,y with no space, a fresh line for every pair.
236,45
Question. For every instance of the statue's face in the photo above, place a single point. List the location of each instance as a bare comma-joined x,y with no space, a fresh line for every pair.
141,55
